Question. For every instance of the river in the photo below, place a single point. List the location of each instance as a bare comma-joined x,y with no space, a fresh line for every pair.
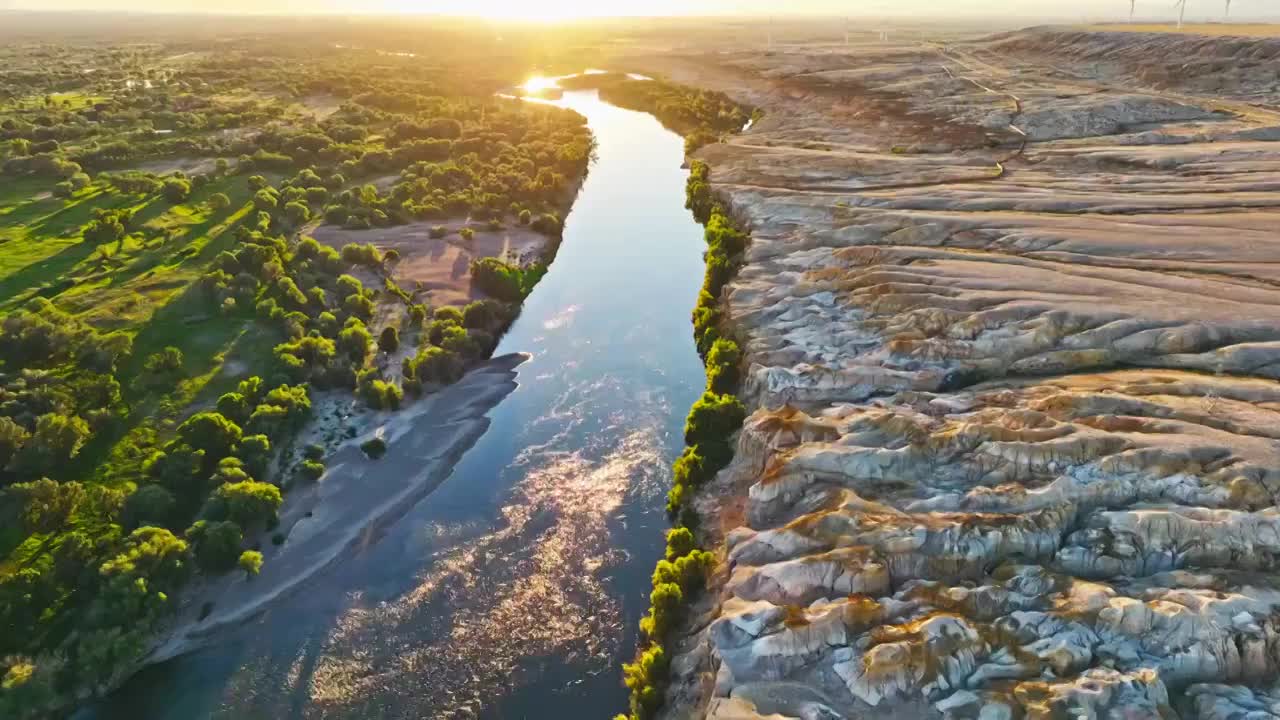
514,588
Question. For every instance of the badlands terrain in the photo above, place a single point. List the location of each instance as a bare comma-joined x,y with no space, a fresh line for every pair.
1012,318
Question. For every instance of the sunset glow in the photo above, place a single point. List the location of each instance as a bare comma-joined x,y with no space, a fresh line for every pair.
539,83
546,11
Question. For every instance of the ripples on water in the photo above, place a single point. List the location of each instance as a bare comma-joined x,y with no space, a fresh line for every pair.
530,587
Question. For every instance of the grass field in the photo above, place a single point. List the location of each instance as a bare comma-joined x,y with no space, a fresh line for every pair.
140,286
1214,29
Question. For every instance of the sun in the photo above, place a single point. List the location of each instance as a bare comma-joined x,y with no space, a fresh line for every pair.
539,83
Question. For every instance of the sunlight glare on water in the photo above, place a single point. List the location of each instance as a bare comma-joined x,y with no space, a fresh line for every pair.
538,83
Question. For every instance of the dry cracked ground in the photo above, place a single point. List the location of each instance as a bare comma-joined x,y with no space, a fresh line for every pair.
1012,319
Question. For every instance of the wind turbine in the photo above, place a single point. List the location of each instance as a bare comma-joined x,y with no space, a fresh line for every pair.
1228,13
1133,5
1182,11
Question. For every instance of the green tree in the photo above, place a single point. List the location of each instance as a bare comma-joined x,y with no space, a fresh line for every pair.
149,505
219,202
437,365
178,467
484,314
297,213
75,559
47,506
210,432
255,452
246,503
266,199
152,555
216,544
234,406
57,439
12,437
164,363
355,341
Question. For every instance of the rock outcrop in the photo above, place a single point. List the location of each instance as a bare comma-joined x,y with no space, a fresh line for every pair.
1011,321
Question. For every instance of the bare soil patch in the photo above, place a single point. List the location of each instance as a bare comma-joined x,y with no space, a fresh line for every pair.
187,165
322,106
440,267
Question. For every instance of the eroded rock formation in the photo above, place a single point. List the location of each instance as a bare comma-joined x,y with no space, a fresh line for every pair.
1012,318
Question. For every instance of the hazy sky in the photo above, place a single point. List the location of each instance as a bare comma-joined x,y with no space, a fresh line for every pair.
553,9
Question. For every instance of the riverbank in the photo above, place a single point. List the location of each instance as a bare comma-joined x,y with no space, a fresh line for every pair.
354,496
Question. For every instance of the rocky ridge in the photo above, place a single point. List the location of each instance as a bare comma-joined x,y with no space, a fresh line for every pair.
1012,318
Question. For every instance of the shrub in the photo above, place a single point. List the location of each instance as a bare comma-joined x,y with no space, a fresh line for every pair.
359,306
211,432
501,280
437,232
176,190
646,678
483,314
311,469
374,448
437,365
219,202
365,254
149,505
389,340
417,315
266,199
713,418
723,360
246,503
255,452
216,544
250,562
448,314
547,224
355,341
665,603
297,213
679,543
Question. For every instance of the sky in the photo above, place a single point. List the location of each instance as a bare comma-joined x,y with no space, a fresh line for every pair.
567,9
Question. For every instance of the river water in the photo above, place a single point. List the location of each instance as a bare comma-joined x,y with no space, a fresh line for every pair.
514,589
